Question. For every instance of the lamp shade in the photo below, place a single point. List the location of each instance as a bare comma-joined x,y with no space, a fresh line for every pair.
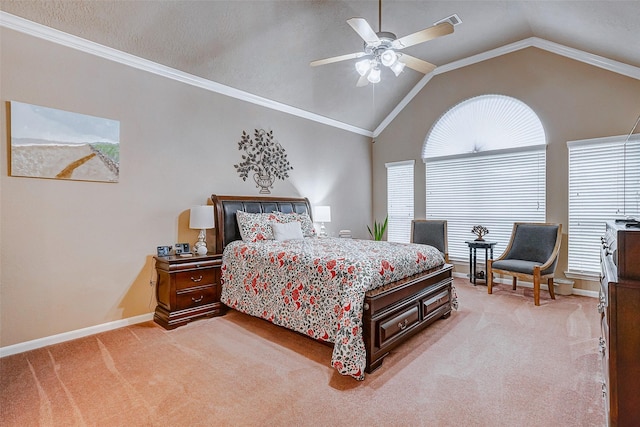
323,214
374,75
201,217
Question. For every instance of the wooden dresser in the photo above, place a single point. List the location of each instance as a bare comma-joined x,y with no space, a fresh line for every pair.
188,288
620,310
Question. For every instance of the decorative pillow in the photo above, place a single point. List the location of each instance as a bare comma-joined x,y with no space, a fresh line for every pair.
287,231
305,222
255,226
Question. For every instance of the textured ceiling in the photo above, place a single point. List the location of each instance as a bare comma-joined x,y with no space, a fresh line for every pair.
264,47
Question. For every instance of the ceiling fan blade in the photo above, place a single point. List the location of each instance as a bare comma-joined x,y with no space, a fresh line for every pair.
417,64
337,59
364,30
442,29
362,81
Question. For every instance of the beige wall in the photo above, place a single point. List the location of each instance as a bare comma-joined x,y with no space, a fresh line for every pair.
573,100
78,254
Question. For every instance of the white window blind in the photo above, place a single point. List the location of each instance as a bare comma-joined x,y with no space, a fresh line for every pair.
493,189
400,200
486,165
604,184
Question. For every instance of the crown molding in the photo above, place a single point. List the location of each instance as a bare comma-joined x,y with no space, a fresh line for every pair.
22,25
25,26
569,52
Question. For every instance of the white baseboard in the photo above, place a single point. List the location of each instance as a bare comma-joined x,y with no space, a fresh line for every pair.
72,335
575,291
79,333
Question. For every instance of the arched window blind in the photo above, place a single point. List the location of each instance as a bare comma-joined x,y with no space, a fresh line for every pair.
604,184
400,200
485,165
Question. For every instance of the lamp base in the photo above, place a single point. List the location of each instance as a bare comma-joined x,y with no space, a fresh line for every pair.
200,250
200,247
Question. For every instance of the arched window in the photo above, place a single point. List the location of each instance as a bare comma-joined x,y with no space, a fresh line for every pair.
485,165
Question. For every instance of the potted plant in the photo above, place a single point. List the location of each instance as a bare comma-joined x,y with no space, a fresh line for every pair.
378,229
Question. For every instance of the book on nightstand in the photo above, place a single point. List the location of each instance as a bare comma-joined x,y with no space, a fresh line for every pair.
345,234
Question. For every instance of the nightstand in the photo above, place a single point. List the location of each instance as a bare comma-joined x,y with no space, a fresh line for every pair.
187,288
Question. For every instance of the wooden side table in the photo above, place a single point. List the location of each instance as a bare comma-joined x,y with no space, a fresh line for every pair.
474,245
187,288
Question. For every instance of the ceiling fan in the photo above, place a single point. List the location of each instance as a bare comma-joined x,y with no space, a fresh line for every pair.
382,48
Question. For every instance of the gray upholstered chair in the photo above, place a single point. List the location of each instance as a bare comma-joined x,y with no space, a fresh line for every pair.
431,232
532,253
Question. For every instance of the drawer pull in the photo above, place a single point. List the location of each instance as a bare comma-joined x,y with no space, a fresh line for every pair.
193,279
403,325
197,299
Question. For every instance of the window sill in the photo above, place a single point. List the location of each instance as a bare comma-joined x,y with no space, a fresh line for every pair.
582,275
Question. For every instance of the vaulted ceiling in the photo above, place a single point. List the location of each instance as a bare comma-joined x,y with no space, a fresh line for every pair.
264,47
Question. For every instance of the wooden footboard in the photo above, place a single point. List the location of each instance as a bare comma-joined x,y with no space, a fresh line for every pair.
394,313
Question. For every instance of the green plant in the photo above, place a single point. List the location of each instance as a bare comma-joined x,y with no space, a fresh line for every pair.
378,229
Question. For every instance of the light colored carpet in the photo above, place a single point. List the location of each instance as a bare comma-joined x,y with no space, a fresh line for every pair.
497,361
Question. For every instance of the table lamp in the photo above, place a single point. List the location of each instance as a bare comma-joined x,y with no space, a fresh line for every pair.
201,217
322,215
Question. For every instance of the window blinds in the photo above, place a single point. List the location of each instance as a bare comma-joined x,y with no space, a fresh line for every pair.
400,200
604,184
493,189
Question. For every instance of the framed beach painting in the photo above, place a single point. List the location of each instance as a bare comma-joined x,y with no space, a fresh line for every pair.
51,143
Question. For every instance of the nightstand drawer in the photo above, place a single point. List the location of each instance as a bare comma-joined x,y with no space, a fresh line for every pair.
196,297
190,279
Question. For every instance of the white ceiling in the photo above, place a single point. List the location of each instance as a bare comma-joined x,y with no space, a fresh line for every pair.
264,47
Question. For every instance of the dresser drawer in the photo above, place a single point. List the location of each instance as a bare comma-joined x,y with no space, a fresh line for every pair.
196,297
398,322
190,279
431,304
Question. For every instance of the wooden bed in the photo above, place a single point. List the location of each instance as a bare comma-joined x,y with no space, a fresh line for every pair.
392,313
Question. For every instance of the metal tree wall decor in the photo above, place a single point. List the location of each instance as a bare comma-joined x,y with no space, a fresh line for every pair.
265,157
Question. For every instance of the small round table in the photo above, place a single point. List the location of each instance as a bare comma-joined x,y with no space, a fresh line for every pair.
474,245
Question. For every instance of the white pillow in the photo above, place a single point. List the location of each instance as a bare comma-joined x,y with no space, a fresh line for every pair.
287,231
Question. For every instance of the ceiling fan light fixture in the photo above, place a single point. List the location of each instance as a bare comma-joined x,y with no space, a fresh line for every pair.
374,75
397,67
363,67
388,57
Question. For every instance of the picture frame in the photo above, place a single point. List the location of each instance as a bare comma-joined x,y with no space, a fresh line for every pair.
163,250
58,144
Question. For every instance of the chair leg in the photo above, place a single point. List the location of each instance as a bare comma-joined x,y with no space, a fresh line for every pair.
513,283
536,285
552,291
489,277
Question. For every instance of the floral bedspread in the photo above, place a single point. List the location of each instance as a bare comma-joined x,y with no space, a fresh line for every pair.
316,286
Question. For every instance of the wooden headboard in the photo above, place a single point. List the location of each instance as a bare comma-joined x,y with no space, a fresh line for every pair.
225,208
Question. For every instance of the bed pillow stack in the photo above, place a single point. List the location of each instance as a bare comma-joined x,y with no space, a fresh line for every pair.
255,227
